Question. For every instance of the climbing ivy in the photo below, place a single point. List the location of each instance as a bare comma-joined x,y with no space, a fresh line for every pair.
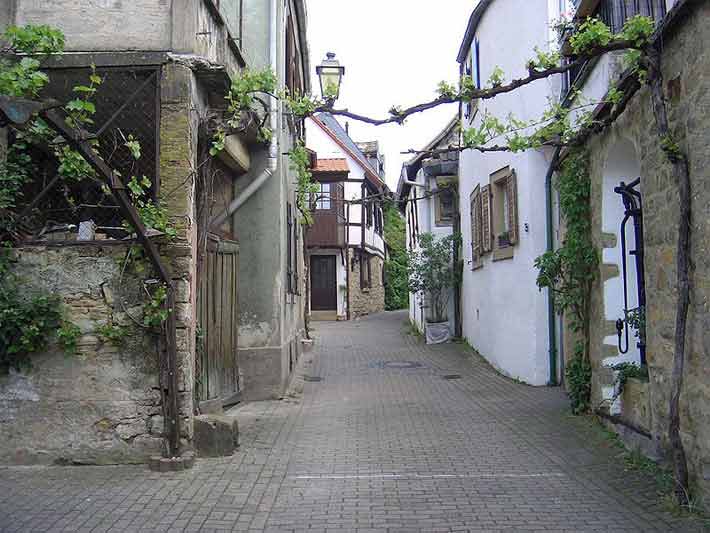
28,320
568,272
305,187
243,95
155,311
31,320
152,214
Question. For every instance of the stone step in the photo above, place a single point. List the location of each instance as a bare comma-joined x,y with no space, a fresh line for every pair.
216,435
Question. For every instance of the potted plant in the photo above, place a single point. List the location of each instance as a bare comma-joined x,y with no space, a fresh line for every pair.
504,239
431,275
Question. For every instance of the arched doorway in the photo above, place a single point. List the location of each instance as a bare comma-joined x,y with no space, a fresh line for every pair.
624,294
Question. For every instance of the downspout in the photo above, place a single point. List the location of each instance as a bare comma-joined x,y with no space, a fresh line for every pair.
551,326
347,260
458,329
363,221
272,160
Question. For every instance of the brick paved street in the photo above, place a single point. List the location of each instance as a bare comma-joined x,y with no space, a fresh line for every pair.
383,443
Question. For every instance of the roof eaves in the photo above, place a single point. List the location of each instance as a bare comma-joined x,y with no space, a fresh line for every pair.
473,22
302,17
358,157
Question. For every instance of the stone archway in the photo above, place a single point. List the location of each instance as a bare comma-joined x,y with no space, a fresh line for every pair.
622,165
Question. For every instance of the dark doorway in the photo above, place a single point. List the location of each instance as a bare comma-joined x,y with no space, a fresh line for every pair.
324,295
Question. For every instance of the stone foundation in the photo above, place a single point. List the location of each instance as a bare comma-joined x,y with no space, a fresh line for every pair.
102,405
368,300
267,371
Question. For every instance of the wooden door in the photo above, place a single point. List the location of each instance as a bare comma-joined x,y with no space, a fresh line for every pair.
324,287
217,365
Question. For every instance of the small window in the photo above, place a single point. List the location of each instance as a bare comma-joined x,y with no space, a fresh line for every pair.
445,207
504,212
323,200
365,270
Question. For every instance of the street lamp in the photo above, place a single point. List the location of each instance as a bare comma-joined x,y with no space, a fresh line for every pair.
330,73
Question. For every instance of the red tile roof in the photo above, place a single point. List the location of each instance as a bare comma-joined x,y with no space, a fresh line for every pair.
331,165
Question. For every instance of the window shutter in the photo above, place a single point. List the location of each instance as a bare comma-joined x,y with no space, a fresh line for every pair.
486,219
512,185
476,63
476,223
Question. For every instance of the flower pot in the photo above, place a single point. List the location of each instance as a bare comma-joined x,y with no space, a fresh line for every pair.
437,332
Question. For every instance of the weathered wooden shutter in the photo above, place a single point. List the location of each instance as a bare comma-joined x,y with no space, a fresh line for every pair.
289,249
476,223
231,11
290,55
486,243
512,193
476,63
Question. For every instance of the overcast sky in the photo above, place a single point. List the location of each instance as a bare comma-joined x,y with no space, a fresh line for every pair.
395,52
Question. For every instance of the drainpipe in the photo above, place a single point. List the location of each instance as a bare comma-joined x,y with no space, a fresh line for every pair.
551,326
272,161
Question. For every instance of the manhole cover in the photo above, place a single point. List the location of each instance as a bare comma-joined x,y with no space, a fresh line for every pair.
312,379
397,364
452,376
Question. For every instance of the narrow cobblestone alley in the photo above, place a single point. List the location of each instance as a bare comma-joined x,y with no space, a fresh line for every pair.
382,442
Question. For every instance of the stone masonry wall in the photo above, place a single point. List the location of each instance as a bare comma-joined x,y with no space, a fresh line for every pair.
685,72
369,300
182,104
103,404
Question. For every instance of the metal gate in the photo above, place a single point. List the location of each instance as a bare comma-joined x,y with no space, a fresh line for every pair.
217,364
633,209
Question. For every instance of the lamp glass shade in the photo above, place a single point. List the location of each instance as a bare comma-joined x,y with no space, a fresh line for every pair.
330,74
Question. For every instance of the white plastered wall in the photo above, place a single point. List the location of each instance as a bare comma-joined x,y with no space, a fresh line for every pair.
504,315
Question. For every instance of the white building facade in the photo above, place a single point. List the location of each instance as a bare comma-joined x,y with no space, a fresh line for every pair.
503,201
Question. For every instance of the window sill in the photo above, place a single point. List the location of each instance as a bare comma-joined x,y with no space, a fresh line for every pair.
501,254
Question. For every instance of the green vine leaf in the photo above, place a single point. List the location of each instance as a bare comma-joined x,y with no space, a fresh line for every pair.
306,187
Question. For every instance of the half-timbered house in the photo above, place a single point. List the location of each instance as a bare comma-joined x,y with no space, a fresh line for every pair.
346,247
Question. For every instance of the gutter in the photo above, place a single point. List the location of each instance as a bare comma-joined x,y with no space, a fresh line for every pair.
272,160
551,326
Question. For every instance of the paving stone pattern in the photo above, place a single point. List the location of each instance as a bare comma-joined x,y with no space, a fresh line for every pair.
377,445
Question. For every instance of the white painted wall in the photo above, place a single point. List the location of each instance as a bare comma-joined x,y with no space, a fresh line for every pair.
504,314
426,224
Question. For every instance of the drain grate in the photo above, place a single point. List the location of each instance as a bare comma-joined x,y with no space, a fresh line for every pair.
312,379
451,376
